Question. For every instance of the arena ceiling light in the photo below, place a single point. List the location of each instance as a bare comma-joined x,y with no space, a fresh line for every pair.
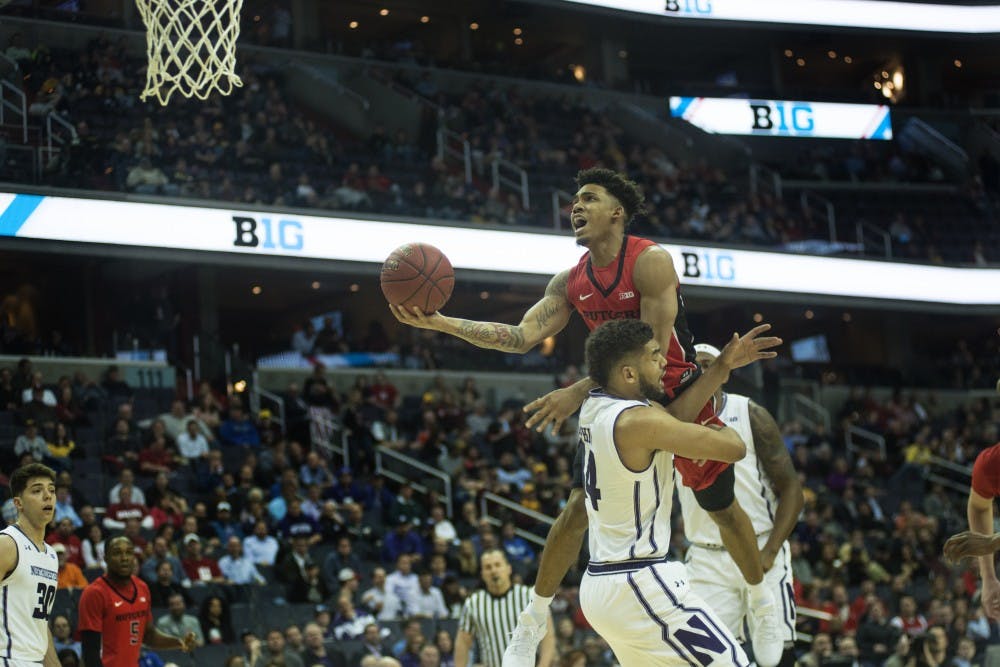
866,14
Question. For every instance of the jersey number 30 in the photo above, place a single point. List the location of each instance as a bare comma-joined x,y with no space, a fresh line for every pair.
590,481
45,595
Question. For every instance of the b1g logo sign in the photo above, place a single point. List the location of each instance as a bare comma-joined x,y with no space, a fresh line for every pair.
267,233
708,265
770,117
698,7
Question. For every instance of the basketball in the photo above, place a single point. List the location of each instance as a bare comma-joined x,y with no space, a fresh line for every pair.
417,275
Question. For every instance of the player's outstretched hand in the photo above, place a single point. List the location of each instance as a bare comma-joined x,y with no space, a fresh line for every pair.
553,408
189,642
415,317
743,350
968,544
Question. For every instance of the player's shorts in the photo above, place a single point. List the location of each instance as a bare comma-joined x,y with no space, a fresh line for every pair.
698,477
710,571
650,617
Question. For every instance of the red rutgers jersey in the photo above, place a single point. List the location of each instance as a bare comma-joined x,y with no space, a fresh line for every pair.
120,616
986,472
608,292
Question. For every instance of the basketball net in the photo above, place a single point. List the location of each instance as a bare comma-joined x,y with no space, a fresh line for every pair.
191,47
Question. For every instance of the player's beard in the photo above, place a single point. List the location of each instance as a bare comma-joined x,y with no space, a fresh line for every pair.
651,390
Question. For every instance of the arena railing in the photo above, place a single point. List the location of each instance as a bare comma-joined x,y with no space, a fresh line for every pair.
954,476
17,104
516,181
511,506
870,235
815,206
762,178
809,412
402,471
860,440
446,147
560,202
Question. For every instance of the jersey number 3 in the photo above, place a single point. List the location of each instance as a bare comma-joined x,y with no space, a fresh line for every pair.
590,481
45,595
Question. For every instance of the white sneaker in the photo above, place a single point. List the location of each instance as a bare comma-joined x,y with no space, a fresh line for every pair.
765,633
523,645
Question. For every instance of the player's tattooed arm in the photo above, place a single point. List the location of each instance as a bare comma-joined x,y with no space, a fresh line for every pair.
777,465
546,318
492,335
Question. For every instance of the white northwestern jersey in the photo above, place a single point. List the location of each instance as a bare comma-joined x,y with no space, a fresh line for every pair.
26,598
753,490
628,512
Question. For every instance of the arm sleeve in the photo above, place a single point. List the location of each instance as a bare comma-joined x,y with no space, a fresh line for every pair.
578,467
91,643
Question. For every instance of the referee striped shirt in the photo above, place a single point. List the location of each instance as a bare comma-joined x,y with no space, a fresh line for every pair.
491,619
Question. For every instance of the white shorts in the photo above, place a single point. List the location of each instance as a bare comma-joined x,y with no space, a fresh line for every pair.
649,616
716,579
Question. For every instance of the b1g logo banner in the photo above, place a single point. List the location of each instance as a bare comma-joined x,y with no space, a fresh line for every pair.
267,234
782,118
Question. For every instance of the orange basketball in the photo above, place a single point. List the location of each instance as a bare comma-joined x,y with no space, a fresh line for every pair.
417,274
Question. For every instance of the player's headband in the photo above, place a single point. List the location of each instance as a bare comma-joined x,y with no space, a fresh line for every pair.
705,348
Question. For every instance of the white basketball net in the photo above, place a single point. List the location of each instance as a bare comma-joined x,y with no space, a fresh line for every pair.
191,47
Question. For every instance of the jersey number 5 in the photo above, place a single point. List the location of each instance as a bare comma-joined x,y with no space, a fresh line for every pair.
590,481
45,595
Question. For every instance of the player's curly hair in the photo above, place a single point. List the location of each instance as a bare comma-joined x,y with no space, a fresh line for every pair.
610,343
627,192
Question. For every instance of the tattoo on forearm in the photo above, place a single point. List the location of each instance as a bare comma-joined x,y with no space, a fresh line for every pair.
492,335
548,311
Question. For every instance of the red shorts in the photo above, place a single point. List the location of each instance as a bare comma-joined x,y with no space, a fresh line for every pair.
695,476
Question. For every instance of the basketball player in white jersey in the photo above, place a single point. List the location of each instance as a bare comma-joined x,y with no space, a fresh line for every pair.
768,488
30,570
635,598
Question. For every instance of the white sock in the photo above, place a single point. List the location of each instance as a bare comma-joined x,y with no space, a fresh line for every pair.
759,594
539,606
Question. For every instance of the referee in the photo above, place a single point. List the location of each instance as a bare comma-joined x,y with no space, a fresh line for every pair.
490,615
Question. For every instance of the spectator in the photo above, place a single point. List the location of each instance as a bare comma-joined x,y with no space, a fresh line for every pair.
38,385
199,568
297,523
402,540
261,548
70,574
224,526
156,458
146,179
379,600
93,550
304,339
350,623
123,510
177,623
403,583
315,471
316,653
518,551
909,620
115,387
61,448
126,480
293,639
31,443
161,553
342,557
122,449
192,443
214,617
236,567
238,430
164,586
63,535
428,602
275,652
64,507
62,636
301,574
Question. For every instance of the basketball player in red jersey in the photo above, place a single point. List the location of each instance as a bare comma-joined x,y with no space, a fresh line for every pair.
115,613
980,541
622,276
